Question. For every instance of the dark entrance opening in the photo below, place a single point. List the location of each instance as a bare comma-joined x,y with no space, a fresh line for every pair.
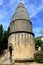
10,50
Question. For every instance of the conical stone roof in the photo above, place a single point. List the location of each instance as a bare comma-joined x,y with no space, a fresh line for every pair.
20,20
20,13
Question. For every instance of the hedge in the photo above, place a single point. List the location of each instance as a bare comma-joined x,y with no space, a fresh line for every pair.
38,57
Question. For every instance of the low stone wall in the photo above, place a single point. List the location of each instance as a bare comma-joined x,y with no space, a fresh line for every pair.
30,63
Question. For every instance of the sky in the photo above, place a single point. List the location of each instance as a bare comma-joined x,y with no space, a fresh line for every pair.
34,9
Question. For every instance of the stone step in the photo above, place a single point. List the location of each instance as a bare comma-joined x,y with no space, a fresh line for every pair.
6,64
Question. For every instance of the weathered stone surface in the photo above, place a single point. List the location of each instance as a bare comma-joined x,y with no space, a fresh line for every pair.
20,13
21,25
20,20
21,37
23,47
25,63
29,63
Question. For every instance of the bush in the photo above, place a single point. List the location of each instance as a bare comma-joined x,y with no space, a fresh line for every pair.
38,57
1,52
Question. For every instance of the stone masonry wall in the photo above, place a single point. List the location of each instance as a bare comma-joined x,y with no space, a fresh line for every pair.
23,45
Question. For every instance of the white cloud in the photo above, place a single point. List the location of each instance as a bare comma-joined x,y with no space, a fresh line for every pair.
37,11
1,16
14,2
37,31
1,2
33,9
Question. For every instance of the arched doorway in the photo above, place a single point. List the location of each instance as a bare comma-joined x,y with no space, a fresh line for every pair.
10,51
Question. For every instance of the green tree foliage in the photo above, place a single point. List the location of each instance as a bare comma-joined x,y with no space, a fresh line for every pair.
38,42
1,32
8,30
3,38
38,57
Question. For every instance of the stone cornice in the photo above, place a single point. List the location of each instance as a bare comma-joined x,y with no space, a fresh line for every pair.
21,32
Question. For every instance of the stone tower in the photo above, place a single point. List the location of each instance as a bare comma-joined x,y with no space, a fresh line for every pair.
21,37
